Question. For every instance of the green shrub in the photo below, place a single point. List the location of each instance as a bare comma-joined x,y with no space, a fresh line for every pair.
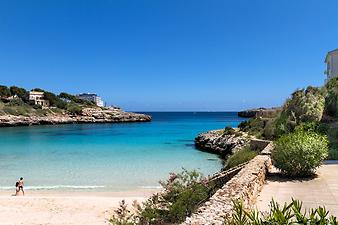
183,194
304,106
20,92
231,131
253,126
292,213
315,127
4,91
331,100
332,134
123,216
16,102
300,153
239,157
54,100
74,109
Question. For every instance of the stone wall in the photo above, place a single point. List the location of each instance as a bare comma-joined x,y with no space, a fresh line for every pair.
245,185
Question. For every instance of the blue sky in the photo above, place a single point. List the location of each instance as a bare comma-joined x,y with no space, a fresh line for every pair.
168,55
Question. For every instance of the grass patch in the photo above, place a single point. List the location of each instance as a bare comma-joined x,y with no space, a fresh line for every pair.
239,157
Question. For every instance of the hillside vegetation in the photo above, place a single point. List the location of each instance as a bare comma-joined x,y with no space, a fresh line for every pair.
14,101
312,109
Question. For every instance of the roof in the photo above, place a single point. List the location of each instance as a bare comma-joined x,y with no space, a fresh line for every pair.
330,52
36,92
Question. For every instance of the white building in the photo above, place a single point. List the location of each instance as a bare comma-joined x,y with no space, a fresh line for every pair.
91,97
331,61
38,98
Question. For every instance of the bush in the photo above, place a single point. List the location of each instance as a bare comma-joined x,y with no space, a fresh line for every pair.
253,126
16,102
20,92
123,216
239,157
4,91
304,106
183,193
54,100
292,213
331,100
231,131
315,127
74,109
300,153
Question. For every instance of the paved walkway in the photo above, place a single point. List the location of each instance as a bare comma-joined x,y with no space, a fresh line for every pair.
320,191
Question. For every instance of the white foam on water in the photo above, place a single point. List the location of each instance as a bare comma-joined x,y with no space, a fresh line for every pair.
151,187
54,187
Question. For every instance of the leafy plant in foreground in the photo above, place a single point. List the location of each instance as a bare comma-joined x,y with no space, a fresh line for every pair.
292,213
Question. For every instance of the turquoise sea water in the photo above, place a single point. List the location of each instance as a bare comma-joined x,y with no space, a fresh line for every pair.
108,156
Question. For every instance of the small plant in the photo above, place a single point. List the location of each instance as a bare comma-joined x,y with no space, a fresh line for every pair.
183,193
292,213
300,153
241,156
123,216
303,106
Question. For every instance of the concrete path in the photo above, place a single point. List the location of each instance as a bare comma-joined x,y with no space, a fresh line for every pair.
319,191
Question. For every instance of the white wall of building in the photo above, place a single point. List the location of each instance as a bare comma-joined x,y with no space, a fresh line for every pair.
332,64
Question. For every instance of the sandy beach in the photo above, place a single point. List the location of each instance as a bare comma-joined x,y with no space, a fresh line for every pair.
56,208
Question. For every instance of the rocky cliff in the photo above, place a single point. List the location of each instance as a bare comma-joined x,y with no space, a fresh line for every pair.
220,142
88,115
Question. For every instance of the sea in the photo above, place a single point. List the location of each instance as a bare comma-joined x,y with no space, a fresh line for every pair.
108,157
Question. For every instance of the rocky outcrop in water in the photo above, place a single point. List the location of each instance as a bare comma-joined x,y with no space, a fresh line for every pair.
88,115
218,142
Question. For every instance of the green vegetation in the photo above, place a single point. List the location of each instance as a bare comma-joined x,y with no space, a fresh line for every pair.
20,92
231,131
241,156
183,194
311,109
4,91
292,213
304,106
300,153
331,100
254,126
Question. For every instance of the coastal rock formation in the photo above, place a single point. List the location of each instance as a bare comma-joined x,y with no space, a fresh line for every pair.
218,142
260,112
250,113
88,115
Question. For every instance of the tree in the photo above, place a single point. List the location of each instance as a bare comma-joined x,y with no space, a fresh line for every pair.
20,92
54,100
38,89
4,91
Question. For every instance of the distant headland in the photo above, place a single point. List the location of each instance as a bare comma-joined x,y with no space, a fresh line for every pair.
19,107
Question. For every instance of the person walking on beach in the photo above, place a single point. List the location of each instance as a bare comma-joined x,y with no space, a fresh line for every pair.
19,186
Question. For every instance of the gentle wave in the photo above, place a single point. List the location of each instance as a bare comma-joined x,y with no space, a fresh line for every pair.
151,187
54,187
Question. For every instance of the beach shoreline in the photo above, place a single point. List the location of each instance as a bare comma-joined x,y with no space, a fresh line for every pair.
65,207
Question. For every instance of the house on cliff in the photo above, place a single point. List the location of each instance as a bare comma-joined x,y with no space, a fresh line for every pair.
37,97
331,61
92,98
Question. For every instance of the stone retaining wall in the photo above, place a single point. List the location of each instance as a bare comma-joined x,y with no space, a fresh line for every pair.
246,185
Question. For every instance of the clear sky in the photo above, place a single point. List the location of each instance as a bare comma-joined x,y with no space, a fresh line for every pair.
168,55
